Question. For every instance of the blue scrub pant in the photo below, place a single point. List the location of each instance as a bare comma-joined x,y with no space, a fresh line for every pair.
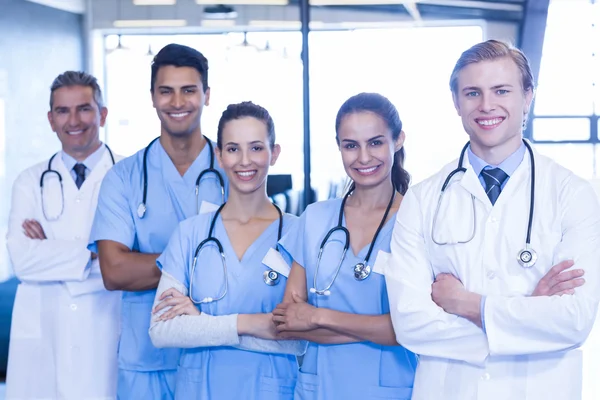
153,385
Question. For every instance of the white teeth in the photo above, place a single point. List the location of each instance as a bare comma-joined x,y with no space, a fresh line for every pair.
74,132
489,122
367,170
179,115
247,174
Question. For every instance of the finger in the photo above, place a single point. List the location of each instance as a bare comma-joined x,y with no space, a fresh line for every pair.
170,302
558,268
37,228
281,307
172,292
279,318
281,328
568,292
27,233
279,311
172,313
30,230
565,276
568,285
297,298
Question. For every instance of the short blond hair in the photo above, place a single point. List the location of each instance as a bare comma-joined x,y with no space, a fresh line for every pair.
491,50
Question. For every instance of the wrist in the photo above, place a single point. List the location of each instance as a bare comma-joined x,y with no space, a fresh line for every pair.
244,324
469,307
319,318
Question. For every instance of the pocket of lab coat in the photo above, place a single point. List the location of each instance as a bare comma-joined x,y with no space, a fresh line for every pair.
27,313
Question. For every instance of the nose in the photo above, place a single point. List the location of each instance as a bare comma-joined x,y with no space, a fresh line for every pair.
74,118
177,100
486,103
245,158
364,156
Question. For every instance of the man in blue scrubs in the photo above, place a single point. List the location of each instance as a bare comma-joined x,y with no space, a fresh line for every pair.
142,200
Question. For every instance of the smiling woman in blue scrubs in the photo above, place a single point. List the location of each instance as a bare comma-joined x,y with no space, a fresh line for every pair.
353,353
228,334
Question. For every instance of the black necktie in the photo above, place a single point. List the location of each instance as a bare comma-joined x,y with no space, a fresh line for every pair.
80,174
493,178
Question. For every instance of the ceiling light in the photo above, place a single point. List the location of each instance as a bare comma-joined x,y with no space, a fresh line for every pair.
248,2
149,23
154,2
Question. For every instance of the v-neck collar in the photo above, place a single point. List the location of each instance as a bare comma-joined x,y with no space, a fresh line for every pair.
384,231
265,235
170,172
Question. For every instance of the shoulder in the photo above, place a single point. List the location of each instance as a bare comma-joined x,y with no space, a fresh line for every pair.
32,174
557,179
196,223
434,182
324,207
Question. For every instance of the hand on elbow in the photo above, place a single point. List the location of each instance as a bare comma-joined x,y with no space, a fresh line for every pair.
559,281
446,292
178,304
295,316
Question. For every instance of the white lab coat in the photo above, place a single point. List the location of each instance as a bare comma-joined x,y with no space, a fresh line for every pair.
530,348
65,325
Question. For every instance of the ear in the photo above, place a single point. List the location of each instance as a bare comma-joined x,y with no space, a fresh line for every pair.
400,141
528,101
275,154
152,99
51,121
207,97
456,105
103,114
219,155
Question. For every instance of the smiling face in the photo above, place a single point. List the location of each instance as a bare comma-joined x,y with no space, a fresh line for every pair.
76,119
493,105
367,148
179,98
246,154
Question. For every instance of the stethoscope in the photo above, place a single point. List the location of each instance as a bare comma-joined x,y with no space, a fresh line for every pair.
50,171
141,210
362,270
525,257
270,277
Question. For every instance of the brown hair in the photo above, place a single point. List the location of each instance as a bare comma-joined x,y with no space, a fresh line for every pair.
491,50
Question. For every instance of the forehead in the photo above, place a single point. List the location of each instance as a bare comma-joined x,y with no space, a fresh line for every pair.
362,123
70,96
245,129
490,73
173,76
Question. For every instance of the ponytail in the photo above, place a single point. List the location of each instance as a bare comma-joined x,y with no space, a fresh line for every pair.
400,177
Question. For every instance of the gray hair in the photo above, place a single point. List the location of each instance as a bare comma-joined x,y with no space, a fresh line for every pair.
76,78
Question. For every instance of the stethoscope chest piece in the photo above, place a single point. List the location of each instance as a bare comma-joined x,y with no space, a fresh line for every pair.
141,210
361,271
527,258
270,277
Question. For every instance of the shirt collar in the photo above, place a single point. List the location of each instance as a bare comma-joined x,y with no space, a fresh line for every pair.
509,165
90,162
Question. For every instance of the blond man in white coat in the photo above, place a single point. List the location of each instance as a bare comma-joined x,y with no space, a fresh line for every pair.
489,320
65,325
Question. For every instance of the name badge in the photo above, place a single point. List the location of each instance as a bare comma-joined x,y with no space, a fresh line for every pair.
207,206
275,261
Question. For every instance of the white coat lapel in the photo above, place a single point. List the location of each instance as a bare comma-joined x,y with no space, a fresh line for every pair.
470,181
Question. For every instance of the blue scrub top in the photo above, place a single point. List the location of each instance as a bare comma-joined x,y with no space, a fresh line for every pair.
170,199
346,371
225,372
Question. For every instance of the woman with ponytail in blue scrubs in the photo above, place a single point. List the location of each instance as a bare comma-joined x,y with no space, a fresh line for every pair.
215,296
335,298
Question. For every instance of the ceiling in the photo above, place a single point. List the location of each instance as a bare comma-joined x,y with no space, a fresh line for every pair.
190,13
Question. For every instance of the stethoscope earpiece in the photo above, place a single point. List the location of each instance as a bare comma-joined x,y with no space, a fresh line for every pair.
141,210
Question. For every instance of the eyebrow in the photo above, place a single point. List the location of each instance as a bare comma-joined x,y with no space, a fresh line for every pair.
237,144
368,140
57,108
183,87
471,88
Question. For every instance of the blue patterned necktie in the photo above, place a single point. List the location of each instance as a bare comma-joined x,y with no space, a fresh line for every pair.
79,174
493,178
